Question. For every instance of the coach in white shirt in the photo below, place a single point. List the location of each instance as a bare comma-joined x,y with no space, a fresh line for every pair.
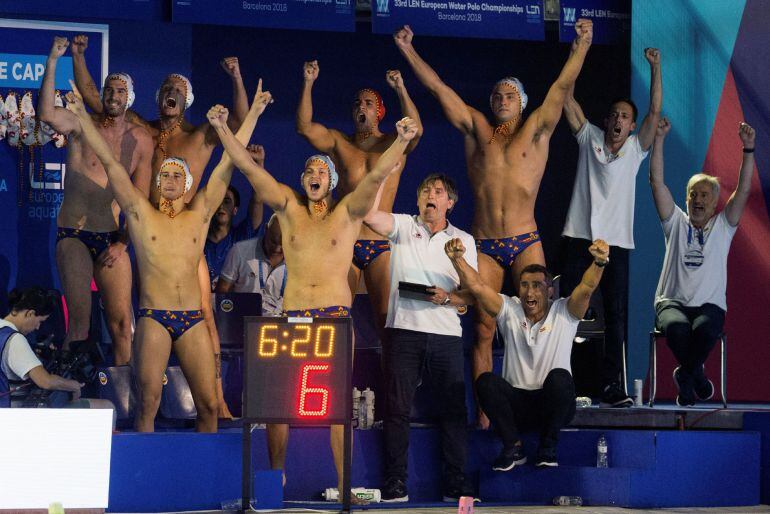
424,334
536,390
690,302
602,206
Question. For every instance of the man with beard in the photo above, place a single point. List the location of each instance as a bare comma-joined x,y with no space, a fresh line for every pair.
506,161
355,156
89,244
603,206
169,240
317,240
174,136
536,390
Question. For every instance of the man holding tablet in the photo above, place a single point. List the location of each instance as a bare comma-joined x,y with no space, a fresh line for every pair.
424,334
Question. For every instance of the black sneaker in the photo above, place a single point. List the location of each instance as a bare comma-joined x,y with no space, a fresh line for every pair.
703,387
455,488
684,385
394,491
546,457
614,396
509,458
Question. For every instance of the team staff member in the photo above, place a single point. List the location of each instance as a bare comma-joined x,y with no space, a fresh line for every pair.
424,334
29,308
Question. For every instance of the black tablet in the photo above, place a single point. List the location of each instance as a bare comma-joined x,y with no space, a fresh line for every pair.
414,291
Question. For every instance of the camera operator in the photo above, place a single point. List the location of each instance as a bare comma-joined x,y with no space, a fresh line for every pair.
29,308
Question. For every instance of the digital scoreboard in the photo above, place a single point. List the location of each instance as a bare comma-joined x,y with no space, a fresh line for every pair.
298,370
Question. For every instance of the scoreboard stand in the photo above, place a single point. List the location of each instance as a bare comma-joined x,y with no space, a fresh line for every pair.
297,371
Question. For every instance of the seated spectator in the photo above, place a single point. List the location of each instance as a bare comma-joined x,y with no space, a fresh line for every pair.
536,391
690,302
222,234
29,308
256,266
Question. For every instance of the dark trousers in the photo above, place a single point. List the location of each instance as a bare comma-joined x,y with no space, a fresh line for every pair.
614,288
691,332
512,410
408,355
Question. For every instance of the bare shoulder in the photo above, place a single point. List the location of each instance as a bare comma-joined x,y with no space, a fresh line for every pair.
482,128
139,132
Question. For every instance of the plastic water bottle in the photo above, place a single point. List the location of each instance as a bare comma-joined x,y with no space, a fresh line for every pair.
601,453
565,501
356,407
366,409
582,402
332,494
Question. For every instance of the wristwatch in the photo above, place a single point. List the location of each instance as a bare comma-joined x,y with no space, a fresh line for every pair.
447,299
602,264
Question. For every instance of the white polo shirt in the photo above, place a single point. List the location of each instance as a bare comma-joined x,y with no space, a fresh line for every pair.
18,358
418,257
603,196
272,294
695,266
532,351
248,268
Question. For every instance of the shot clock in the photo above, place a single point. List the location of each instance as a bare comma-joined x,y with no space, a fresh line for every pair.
298,370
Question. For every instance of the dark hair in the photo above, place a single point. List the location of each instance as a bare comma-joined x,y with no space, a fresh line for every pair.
449,185
31,298
634,110
236,195
538,268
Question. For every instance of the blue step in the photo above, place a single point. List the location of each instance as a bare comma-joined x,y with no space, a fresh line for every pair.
176,471
665,469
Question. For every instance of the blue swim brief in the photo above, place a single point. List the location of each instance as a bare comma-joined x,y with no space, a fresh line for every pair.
96,242
366,250
335,311
505,249
176,322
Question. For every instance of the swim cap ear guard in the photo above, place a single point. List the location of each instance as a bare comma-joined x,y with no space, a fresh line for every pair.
325,159
129,83
517,85
179,163
189,97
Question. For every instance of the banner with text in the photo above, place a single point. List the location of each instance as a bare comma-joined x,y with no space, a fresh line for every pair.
493,19
330,15
612,20
114,9
31,175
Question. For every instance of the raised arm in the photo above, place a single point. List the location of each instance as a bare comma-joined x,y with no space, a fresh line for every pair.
62,121
739,198
256,207
547,115
486,297
126,194
650,123
216,187
360,201
457,112
143,172
316,134
240,98
573,113
83,78
408,109
266,188
581,296
664,202
235,116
